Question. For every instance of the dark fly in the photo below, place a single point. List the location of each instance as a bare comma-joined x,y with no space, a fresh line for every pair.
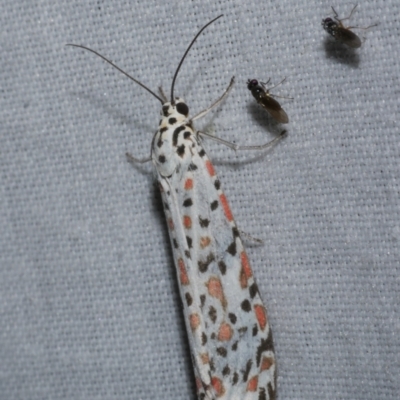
342,33
265,99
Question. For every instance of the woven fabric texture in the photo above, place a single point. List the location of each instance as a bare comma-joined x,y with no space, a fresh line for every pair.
89,303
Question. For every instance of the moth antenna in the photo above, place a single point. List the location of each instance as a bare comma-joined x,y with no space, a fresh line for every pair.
118,68
187,51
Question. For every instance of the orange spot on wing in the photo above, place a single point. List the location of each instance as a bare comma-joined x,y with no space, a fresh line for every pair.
204,241
267,363
205,359
210,168
187,222
188,184
243,279
215,290
218,386
252,384
245,272
225,206
246,265
170,224
261,316
194,321
225,332
182,273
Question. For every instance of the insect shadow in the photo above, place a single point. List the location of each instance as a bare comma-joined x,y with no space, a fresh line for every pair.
339,52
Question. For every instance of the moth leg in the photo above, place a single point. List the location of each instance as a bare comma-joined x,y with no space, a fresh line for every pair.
216,103
236,147
132,159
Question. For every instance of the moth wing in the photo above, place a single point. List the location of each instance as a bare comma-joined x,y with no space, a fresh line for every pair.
226,321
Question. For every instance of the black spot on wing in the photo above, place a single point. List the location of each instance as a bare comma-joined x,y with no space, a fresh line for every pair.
232,248
161,159
242,330
226,370
172,121
232,317
222,267
212,365
222,351
202,300
187,134
192,167
203,338
204,222
189,299
262,395
189,241
271,392
265,345
203,265
253,289
187,203
246,306
214,205
217,184
212,313
235,378
246,372
202,153
255,330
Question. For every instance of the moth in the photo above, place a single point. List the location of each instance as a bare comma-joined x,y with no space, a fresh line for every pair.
342,33
265,99
229,333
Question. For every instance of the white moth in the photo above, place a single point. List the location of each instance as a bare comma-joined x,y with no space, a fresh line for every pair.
226,321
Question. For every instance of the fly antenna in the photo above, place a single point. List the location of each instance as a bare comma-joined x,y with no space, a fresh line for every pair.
187,51
119,69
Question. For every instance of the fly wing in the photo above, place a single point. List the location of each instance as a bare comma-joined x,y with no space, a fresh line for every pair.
226,321
274,108
348,37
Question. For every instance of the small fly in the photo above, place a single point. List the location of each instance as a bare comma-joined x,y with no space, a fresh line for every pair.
266,100
342,33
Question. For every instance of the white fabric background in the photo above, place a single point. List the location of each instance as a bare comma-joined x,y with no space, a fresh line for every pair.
88,297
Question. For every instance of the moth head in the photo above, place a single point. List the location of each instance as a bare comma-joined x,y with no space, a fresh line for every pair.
177,109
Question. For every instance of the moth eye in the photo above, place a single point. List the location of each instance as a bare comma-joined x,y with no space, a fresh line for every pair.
183,109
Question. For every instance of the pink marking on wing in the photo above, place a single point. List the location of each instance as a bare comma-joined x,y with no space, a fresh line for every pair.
215,290
267,363
194,321
183,277
210,168
261,316
245,272
225,206
218,386
252,384
188,184
225,332
187,222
